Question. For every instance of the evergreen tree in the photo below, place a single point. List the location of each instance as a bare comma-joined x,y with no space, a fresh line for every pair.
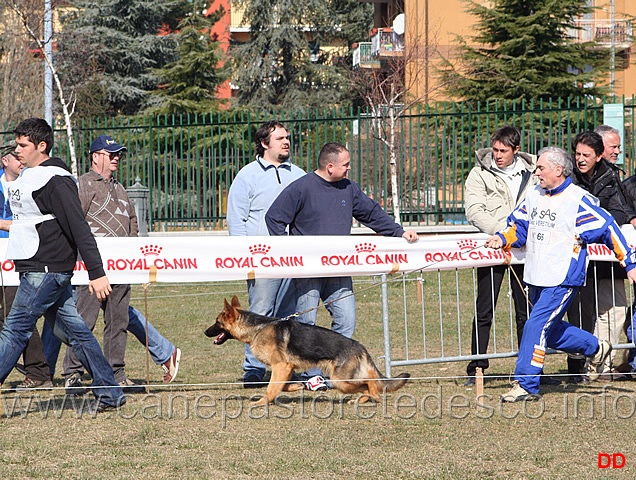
109,48
282,64
523,52
188,85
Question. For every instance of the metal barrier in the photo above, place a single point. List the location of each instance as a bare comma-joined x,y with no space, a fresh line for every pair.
438,310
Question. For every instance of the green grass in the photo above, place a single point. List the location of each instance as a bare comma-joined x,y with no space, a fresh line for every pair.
205,427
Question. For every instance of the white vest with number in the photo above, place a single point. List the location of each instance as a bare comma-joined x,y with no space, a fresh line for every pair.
24,240
551,243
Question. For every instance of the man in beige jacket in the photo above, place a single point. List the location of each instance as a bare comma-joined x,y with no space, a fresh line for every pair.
494,187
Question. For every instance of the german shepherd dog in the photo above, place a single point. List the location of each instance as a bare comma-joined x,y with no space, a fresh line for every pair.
288,345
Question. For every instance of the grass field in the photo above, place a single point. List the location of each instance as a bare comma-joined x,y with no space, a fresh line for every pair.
204,426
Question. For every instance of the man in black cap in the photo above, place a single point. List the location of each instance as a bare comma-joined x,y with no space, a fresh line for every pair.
110,213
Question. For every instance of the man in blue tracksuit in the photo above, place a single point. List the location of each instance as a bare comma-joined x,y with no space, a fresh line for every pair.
555,223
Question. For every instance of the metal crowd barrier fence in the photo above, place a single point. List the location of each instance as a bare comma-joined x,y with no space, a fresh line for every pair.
428,317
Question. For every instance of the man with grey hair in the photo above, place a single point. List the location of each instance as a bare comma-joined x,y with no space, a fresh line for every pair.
612,141
556,222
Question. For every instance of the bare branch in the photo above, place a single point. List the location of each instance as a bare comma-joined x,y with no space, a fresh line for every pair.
49,61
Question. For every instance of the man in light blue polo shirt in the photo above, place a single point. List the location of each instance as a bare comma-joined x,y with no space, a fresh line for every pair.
252,192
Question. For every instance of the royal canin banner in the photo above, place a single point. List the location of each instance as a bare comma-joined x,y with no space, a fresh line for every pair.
175,259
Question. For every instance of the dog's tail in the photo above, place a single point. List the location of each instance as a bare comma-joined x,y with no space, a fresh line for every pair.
393,384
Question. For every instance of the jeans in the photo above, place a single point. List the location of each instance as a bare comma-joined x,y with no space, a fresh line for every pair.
35,364
159,347
51,295
273,297
336,294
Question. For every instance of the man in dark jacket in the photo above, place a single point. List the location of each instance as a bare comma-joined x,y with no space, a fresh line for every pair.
598,299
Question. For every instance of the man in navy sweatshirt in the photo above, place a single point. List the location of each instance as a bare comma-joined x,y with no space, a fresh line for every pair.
323,203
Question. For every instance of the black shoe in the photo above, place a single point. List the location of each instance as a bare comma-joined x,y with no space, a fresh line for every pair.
548,380
470,381
253,381
128,386
578,379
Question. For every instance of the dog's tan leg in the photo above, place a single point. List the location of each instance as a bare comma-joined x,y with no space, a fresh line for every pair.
281,373
293,387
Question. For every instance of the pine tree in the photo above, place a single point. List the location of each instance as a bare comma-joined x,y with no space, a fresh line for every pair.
282,64
524,52
188,85
109,48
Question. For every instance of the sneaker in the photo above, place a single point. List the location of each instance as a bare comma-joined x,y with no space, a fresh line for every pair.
251,380
171,367
518,394
128,386
470,381
30,384
73,385
316,384
595,362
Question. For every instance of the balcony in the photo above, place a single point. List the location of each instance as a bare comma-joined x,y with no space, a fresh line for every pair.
386,43
363,58
600,31
236,19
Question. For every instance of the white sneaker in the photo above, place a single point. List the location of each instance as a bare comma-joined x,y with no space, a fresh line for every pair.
316,383
595,363
518,394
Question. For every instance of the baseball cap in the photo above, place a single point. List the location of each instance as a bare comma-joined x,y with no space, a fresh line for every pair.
7,148
104,142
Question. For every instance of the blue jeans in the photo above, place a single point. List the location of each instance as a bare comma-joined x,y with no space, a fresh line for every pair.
159,347
51,295
336,294
273,297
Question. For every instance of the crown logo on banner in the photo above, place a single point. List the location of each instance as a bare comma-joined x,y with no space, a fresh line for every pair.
150,250
365,247
260,249
467,244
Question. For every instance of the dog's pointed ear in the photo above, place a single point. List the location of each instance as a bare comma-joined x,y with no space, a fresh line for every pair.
228,307
235,302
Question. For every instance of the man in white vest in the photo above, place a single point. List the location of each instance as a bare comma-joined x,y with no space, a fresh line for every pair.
555,223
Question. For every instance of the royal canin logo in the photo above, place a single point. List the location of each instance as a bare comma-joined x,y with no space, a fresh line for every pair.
151,250
365,256
365,247
467,244
151,256
259,258
467,250
259,248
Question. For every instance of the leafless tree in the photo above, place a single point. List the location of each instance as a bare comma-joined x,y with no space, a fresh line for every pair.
29,17
390,91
